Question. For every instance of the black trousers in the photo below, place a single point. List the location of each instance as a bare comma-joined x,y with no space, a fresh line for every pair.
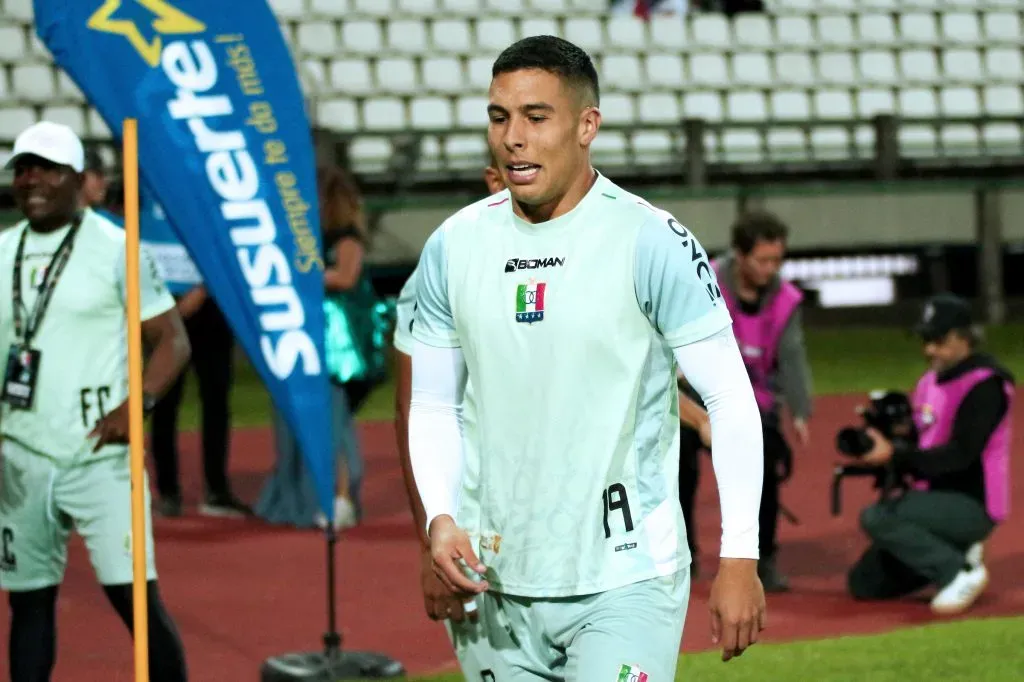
917,539
776,450
212,344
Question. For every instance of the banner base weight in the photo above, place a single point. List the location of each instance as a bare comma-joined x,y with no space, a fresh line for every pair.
336,667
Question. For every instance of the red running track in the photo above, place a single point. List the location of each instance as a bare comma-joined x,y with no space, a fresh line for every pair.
243,591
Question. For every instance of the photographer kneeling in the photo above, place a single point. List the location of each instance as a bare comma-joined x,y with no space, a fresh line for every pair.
958,473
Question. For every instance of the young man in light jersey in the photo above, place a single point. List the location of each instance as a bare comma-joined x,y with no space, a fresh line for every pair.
568,303
64,403
459,611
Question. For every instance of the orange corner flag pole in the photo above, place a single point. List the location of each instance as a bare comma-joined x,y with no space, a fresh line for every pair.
135,432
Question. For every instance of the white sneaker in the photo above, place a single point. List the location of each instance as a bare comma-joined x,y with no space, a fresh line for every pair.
344,515
974,555
959,595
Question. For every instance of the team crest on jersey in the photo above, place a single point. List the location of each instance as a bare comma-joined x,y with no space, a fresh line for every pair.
631,673
530,301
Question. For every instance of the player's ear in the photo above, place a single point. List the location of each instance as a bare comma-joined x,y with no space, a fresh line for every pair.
590,123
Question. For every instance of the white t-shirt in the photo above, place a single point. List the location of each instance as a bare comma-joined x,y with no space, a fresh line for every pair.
82,338
568,330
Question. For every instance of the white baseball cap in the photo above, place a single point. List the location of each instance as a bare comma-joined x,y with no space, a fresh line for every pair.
54,142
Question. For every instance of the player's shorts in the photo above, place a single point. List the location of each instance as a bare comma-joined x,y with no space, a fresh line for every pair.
629,634
41,503
469,639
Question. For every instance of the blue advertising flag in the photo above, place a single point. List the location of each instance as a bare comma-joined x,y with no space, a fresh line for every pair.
225,146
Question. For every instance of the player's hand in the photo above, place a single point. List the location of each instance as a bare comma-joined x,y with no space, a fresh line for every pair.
111,429
450,548
737,604
438,600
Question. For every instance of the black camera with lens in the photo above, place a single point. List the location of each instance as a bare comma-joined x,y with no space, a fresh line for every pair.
891,414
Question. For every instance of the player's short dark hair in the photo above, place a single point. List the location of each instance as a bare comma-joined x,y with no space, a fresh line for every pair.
554,55
757,226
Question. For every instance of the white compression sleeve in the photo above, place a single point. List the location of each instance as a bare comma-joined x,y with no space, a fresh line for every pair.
714,367
435,427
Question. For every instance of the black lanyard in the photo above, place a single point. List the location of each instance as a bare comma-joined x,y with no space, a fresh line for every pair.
25,331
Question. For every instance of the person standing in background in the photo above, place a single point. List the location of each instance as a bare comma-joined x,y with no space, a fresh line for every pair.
766,320
213,363
289,496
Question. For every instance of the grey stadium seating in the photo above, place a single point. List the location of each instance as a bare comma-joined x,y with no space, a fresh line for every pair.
802,81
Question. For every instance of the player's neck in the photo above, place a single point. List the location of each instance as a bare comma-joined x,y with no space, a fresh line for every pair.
542,213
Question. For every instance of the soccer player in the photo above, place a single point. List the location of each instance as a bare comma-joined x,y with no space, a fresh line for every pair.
64,403
460,611
567,303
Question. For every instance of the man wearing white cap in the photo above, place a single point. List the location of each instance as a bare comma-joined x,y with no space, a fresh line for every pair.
63,403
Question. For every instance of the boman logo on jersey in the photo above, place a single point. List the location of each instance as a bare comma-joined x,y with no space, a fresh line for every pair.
513,264
530,302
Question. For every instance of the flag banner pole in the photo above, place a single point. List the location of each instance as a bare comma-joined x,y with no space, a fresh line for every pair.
130,144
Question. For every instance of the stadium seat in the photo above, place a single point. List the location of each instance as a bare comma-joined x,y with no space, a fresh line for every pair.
351,77
336,9
623,73
396,75
72,116
659,108
627,32
18,10
961,27
1003,26
33,82
318,37
384,113
752,30
494,34
338,113
443,75
431,113
407,36
538,26
13,45
361,37
665,71
289,9
585,32
836,30
450,36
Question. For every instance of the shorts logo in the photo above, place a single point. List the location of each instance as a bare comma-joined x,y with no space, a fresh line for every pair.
631,673
530,302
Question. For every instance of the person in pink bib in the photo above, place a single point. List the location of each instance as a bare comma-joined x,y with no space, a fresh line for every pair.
766,319
958,472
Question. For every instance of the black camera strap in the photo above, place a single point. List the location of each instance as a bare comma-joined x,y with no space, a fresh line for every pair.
26,324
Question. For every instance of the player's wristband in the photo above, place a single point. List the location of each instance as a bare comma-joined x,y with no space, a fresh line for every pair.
148,402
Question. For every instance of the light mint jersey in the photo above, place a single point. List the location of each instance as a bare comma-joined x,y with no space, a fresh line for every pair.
83,369
468,513
567,328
